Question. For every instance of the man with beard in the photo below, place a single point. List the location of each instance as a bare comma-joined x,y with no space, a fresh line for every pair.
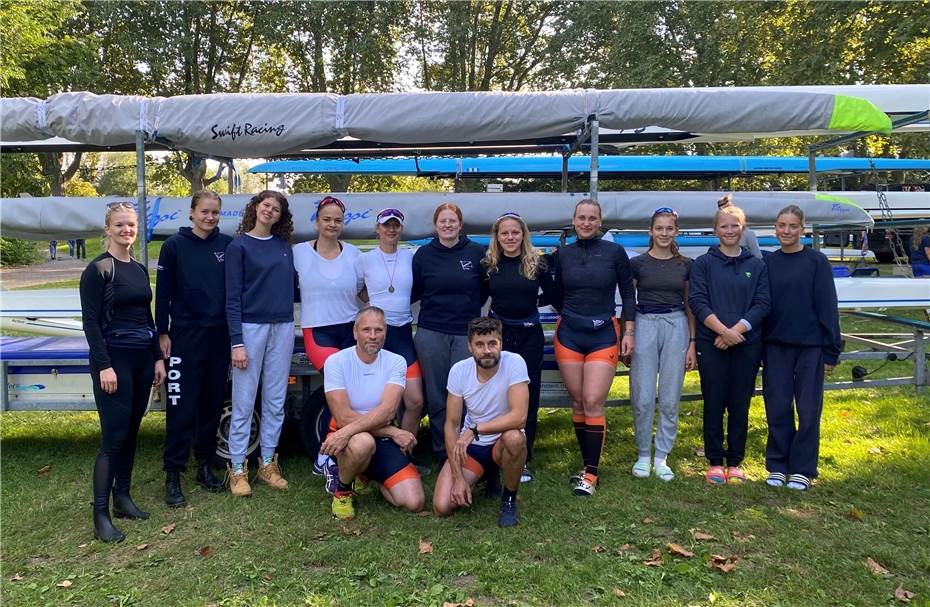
492,388
364,385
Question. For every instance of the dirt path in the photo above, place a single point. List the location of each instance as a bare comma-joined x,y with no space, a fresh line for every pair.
63,268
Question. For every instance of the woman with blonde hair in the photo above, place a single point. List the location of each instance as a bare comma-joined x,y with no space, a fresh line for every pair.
515,272
729,296
125,362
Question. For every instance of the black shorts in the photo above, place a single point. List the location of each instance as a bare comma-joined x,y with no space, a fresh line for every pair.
482,459
399,340
322,342
389,465
573,345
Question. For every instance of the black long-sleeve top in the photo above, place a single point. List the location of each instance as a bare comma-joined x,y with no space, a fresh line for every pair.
121,301
447,282
514,298
587,272
190,287
804,307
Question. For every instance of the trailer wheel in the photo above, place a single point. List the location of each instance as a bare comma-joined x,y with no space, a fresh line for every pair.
314,422
222,433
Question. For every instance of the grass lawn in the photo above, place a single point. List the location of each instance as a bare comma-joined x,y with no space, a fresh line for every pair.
872,500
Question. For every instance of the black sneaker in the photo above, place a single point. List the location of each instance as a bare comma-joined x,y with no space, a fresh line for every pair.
509,516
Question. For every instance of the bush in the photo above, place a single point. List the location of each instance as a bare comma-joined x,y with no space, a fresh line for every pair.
15,252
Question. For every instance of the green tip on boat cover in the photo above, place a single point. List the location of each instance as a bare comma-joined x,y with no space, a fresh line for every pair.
855,114
834,198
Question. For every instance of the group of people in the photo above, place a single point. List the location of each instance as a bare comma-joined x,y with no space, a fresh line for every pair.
77,249
224,301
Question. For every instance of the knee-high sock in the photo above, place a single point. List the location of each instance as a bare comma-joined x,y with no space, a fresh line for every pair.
578,421
595,430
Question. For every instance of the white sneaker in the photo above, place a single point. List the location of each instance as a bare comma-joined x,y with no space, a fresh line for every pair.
586,486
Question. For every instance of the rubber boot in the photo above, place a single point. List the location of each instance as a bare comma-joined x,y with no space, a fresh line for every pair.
104,529
124,507
174,497
207,480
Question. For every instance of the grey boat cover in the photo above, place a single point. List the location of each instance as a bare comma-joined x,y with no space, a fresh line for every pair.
64,217
260,125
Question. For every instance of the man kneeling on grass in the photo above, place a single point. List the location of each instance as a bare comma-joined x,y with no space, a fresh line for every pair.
364,385
492,387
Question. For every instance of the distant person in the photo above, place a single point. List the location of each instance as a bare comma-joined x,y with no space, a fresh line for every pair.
71,248
447,283
920,251
80,248
802,341
125,363
260,315
729,296
748,240
490,388
364,385
53,250
190,313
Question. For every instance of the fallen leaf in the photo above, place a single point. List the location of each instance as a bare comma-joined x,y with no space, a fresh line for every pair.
876,451
267,577
467,603
44,470
726,564
699,452
678,550
599,549
167,529
648,520
624,547
320,536
742,537
82,545
618,593
142,547
700,536
855,514
16,577
655,558
67,584
206,552
874,567
424,513
903,595
844,413
347,531
426,547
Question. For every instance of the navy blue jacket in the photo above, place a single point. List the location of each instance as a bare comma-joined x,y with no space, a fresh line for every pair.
190,287
732,288
259,283
447,282
804,308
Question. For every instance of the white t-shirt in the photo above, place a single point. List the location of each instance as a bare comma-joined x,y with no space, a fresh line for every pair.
328,287
484,402
364,383
378,271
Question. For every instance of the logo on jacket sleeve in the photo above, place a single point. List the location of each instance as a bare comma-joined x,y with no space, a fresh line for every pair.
466,264
220,256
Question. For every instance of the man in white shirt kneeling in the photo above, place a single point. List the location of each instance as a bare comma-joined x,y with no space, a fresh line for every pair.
364,385
492,388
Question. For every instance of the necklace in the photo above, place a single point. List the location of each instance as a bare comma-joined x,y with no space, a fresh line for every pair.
390,273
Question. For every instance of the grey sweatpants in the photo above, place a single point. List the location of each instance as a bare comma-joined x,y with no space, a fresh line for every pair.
437,352
269,348
662,342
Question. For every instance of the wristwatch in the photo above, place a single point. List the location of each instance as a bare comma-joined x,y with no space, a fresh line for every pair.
474,430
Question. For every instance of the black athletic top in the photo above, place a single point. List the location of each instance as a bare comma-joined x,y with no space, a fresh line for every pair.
804,308
191,281
116,308
514,297
447,283
660,283
587,272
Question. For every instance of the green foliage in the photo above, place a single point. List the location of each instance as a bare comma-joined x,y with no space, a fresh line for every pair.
79,187
15,252
21,174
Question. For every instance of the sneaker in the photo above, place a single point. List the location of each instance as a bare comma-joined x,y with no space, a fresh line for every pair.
270,474
342,506
509,516
575,478
586,486
776,479
526,476
362,486
239,481
331,472
317,469
798,482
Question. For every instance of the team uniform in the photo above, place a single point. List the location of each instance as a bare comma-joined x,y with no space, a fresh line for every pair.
735,289
484,402
329,300
364,385
190,307
801,334
388,278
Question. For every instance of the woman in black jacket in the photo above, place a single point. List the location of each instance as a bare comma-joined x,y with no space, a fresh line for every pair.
729,295
125,363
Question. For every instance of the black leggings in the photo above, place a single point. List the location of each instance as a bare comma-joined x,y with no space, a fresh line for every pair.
528,342
120,416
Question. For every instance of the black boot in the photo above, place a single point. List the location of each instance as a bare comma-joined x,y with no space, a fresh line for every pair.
104,530
207,480
124,507
174,497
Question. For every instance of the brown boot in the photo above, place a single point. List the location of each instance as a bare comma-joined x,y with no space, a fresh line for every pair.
239,482
270,474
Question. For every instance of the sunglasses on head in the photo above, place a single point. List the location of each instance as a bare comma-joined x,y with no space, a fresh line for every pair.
391,213
662,210
120,205
332,200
